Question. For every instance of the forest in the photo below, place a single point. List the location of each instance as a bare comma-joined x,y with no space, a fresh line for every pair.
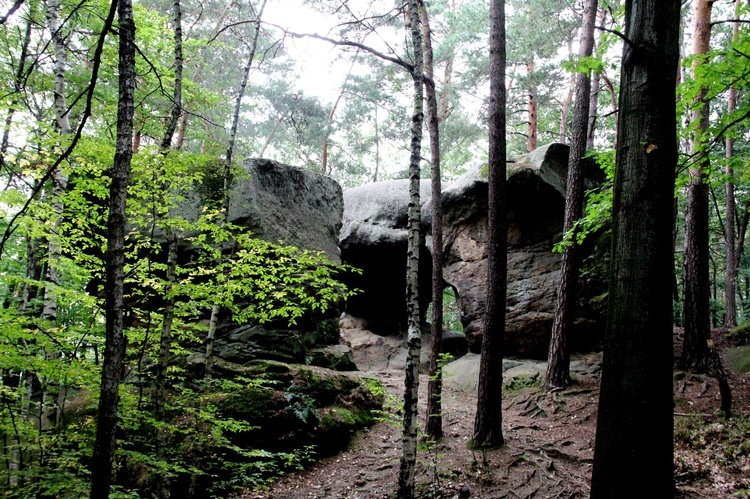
127,131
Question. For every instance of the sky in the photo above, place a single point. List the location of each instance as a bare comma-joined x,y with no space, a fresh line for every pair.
318,73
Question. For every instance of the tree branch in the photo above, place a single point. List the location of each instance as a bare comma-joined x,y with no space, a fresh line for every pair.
618,34
346,43
12,10
714,23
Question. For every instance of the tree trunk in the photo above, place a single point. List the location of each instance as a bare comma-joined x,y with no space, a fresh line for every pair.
697,308
329,123
488,424
595,84
50,387
414,340
633,454
174,115
730,292
165,344
558,363
562,134
434,426
531,131
114,348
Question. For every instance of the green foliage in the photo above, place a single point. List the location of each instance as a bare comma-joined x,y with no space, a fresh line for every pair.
598,205
722,442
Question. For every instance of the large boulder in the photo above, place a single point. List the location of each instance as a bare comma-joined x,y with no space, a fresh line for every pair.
535,209
374,238
280,204
535,214
277,203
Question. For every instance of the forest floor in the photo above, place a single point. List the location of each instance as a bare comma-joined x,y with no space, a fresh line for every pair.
548,451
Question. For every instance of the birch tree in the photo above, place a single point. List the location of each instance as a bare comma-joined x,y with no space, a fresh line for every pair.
414,339
434,426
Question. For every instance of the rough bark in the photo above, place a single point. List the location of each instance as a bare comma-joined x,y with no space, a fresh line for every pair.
730,292
411,383
488,431
434,426
633,453
114,348
558,362
696,276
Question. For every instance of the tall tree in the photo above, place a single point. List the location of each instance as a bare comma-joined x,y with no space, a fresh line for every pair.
730,292
414,339
633,453
59,183
114,349
697,305
488,429
558,362
434,426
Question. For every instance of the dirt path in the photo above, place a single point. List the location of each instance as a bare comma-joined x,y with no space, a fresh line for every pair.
548,451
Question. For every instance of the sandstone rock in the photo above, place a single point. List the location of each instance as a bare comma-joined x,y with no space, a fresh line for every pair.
373,238
536,204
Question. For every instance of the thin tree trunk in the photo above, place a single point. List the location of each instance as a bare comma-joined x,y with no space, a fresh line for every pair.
174,115
165,343
445,93
633,454
595,84
697,310
562,134
613,98
241,89
488,424
414,340
533,125
181,129
227,176
730,291
434,426
114,348
210,337
558,362
50,387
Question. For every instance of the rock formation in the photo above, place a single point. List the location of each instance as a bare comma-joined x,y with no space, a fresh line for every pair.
536,203
373,238
295,207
